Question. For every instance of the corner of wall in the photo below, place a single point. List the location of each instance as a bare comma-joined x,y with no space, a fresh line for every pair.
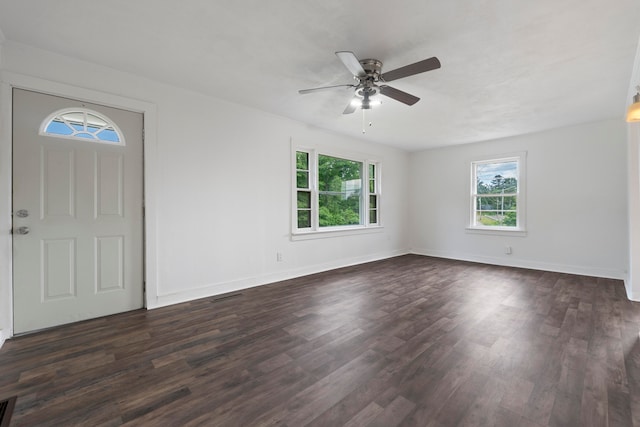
6,297
633,189
630,295
2,39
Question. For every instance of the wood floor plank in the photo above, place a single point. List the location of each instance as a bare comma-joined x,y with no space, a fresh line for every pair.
408,341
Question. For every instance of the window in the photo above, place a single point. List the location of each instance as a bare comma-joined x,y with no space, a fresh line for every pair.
304,190
374,216
333,193
82,124
497,201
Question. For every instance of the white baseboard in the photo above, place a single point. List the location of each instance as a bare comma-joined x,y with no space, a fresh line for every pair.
250,282
522,263
630,294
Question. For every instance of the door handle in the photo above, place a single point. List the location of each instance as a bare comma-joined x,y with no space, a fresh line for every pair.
23,230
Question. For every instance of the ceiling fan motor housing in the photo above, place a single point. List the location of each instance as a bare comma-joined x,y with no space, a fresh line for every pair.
367,86
372,67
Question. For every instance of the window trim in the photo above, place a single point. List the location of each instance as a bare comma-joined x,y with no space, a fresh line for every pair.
520,228
315,231
376,193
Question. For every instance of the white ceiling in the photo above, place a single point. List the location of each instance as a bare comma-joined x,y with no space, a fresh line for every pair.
508,67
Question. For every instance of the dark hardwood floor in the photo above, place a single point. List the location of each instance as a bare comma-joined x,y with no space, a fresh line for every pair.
409,341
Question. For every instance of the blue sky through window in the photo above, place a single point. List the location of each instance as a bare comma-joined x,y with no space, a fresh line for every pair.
486,172
58,128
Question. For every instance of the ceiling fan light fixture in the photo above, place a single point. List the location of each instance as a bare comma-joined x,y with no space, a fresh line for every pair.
633,112
367,104
368,99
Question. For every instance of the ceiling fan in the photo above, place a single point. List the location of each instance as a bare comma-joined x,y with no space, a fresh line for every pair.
368,73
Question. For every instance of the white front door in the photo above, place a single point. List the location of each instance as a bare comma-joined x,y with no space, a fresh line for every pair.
77,211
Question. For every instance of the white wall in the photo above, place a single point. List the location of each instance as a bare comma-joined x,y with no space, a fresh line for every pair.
5,211
221,185
576,200
633,143
633,281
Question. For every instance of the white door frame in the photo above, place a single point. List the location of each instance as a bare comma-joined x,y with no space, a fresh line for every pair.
11,80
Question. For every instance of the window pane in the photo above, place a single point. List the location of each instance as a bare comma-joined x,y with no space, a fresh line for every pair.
304,199
304,219
372,171
497,178
373,202
373,216
496,219
95,120
372,186
82,124
302,179
487,203
74,116
108,135
340,188
508,203
302,160
336,210
500,203
59,128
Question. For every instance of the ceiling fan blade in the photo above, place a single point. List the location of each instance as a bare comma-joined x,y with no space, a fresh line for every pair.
398,95
319,89
351,107
410,70
352,63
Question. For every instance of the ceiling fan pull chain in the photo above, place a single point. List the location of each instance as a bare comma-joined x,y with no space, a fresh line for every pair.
364,112
364,121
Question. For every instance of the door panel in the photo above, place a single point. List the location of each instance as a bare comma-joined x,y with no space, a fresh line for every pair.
109,263
58,189
58,265
109,192
82,255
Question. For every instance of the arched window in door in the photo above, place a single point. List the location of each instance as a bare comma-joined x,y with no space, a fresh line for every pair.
83,124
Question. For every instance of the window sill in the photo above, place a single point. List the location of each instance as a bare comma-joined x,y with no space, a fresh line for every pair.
497,231
335,232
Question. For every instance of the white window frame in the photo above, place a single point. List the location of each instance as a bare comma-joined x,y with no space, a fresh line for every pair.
520,228
85,111
376,192
315,231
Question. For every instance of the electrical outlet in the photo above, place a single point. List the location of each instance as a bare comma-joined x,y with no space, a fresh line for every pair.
507,250
279,257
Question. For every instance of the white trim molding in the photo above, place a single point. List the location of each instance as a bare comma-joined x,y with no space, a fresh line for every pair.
213,289
605,273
